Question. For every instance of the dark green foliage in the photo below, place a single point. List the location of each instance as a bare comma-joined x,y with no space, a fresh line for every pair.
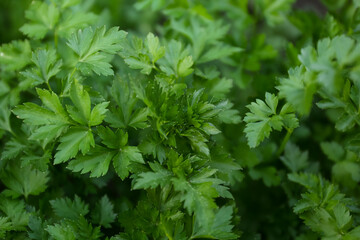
156,129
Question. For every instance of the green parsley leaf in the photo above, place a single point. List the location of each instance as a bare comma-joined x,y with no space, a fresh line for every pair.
14,209
47,66
75,139
263,118
15,55
61,231
159,177
24,181
37,228
176,62
43,18
299,89
66,208
94,49
127,113
104,212
220,228
124,158
5,226
294,158
97,162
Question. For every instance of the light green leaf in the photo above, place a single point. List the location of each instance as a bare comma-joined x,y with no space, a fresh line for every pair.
176,62
112,140
5,226
15,55
124,158
227,114
76,139
210,129
47,66
197,199
96,161
48,133
127,114
159,177
220,228
298,89
275,11
220,87
74,20
263,118
184,66
342,216
81,100
95,47
42,18
156,51
98,114
218,52
140,64
197,141
35,115
52,102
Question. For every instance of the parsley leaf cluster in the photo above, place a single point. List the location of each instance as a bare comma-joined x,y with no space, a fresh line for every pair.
179,120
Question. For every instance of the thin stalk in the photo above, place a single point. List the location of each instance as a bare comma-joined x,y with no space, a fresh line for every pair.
48,85
72,73
284,141
55,39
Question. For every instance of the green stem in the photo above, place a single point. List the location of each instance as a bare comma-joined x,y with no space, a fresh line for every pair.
12,133
164,228
48,85
55,39
155,67
284,141
72,73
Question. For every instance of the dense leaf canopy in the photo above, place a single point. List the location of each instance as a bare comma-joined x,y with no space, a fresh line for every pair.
179,119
